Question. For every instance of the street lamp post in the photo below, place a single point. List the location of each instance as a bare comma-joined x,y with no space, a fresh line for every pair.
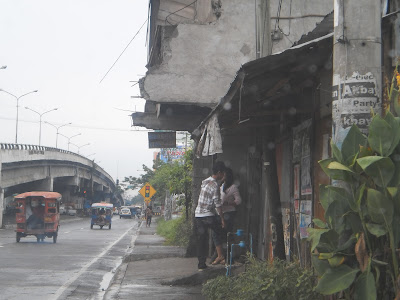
40,119
69,138
79,147
17,98
57,128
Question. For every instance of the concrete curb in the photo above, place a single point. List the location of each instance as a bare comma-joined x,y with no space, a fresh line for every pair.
115,282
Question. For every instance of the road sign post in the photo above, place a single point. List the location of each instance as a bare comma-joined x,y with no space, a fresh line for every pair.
147,191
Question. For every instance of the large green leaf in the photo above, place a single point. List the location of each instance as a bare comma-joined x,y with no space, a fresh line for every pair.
396,230
365,287
381,169
336,261
376,229
314,236
395,100
336,279
320,265
338,194
324,197
347,245
396,177
320,223
336,153
351,144
335,213
353,222
395,124
381,136
359,195
335,170
328,242
379,207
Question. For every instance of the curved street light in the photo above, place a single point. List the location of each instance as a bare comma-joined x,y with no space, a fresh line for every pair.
17,98
69,138
40,119
57,128
79,147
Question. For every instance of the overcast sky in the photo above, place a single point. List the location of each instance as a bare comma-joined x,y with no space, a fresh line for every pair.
63,49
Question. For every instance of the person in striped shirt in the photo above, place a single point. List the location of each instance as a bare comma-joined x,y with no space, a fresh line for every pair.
205,218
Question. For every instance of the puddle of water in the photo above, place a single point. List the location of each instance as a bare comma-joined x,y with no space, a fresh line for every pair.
105,283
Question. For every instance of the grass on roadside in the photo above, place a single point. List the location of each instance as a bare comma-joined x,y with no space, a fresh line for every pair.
176,231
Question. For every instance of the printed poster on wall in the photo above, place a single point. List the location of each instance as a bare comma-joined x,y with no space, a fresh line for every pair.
306,188
302,154
286,229
305,217
296,181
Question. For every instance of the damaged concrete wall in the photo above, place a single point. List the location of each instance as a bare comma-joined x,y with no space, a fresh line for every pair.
200,60
291,19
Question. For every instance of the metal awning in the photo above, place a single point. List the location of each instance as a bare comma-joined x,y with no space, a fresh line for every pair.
171,117
252,99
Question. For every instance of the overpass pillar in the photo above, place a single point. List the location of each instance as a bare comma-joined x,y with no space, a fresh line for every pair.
1,205
1,198
97,187
46,184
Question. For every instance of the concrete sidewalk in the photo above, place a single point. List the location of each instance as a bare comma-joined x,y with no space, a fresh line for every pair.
155,271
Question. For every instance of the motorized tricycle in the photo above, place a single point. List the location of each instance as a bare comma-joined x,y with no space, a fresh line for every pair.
37,213
101,215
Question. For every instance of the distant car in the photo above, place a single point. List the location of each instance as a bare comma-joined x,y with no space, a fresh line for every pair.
63,211
71,212
125,213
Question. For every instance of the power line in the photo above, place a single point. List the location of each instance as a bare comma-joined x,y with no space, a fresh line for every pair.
82,126
123,51
173,13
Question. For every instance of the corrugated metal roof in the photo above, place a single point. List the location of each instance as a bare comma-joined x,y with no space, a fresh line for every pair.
323,28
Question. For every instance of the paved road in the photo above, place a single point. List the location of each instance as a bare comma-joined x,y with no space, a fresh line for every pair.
79,266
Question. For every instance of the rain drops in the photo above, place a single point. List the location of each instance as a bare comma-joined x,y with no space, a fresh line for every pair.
271,145
227,106
205,171
292,111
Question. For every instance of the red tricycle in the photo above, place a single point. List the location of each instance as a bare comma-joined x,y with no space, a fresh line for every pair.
37,214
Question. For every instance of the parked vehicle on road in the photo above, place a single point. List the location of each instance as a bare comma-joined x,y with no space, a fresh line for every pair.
71,212
63,211
37,213
101,215
125,212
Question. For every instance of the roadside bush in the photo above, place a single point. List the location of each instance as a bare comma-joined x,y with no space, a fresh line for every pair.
176,232
264,280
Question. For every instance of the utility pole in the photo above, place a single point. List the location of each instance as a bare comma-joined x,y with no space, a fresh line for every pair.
357,81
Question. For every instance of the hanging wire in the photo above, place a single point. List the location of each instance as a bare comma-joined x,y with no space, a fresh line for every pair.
173,13
123,51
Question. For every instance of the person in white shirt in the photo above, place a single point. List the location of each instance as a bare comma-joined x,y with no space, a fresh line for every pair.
205,218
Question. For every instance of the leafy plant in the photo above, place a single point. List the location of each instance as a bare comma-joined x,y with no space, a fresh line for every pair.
264,280
354,250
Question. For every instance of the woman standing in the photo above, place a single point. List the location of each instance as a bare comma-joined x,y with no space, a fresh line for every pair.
230,198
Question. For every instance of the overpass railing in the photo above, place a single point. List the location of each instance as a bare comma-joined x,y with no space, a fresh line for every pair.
24,147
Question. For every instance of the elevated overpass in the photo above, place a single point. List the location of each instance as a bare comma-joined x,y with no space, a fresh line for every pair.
29,167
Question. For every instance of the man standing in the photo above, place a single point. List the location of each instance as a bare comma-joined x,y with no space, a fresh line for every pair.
209,200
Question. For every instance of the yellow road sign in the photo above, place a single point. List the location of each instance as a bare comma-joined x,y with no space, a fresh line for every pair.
147,191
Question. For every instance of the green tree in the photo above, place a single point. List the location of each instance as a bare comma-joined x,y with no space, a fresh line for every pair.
174,177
